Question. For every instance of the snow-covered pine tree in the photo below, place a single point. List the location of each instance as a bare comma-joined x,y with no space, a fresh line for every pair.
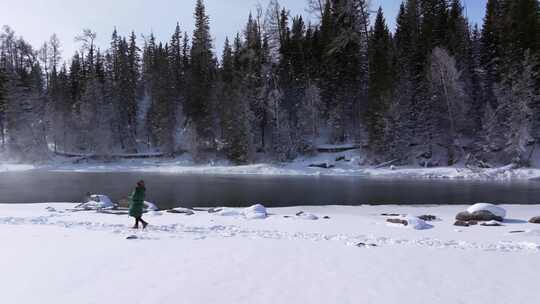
3,81
402,121
433,25
53,91
202,70
163,109
133,84
24,99
509,128
179,63
463,45
176,62
93,125
253,56
234,109
381,77
475,87
58,109
349,52
521,43
126,96
491,50
3,102
309,120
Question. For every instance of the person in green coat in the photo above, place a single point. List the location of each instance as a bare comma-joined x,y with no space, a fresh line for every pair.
136,205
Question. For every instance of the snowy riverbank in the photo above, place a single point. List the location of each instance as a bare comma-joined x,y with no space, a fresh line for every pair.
54,256
337,164
301,167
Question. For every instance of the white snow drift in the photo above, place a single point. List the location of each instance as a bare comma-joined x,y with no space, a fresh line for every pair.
256,211
52,255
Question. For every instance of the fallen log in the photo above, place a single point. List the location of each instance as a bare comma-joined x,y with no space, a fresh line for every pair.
337,149
83,156
386,164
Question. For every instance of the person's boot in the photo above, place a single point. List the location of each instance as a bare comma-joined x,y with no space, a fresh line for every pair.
144,224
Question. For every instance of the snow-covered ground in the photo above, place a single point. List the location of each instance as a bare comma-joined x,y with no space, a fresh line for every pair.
50,255
348,165
10,167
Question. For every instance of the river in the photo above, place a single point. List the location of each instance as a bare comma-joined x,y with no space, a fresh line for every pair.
174,190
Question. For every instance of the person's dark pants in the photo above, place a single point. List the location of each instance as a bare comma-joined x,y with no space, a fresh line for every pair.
140,220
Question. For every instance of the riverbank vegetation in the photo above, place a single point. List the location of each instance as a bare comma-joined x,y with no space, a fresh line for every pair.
435,91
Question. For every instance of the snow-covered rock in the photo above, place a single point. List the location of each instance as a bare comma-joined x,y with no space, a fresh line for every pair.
410,222
307,216
478,216
417,223
495,210
151,206
181,211
257,211
98,201
535,220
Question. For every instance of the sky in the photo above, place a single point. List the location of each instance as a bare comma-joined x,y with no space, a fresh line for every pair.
36,20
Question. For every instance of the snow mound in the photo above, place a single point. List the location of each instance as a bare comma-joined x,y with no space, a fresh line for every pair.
228,212
497,211
151,206
410,221
534,232
416,223
257,211
307,216
98,201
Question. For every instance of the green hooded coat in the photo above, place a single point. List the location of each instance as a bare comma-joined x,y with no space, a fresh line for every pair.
136,202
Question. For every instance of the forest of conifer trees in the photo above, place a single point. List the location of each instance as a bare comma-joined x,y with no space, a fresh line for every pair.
435,91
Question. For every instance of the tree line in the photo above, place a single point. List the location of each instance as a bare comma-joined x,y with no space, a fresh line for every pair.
436,91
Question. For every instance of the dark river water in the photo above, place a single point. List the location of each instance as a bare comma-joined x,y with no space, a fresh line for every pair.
170,190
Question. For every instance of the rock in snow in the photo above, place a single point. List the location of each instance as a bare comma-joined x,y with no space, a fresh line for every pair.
398,221
478,216
181,211
461,223
482,212
306,216
535,220
496,210
50,209
428,217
